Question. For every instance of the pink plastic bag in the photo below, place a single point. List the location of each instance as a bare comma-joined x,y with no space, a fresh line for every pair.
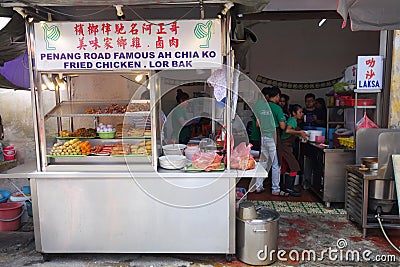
206,160
365,122
241,157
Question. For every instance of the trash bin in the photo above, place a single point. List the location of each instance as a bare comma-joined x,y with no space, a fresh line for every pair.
257,239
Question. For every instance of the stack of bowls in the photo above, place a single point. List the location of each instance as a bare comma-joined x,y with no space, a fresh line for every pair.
172,162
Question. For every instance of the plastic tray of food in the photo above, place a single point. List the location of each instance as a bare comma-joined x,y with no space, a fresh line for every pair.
190,168
360,102
131,155
73,137
65,156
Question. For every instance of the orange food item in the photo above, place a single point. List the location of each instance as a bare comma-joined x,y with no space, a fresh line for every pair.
85,147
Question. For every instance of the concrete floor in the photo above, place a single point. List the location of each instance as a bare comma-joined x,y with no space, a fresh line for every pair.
297,232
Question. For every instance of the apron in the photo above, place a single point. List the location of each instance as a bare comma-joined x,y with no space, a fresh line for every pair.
287,153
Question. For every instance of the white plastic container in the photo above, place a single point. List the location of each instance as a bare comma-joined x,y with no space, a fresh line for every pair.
312,134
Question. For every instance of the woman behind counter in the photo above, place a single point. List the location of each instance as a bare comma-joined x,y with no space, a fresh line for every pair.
288,137
180,131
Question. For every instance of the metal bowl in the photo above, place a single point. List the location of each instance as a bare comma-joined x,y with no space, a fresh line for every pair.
370,162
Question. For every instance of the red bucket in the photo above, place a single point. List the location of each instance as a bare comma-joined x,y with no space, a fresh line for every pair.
9,153
9,148
10,216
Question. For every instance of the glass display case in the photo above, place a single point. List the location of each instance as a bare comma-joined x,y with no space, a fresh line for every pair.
79,133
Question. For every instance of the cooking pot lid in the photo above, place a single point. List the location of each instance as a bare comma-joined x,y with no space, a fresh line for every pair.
264,215
267,215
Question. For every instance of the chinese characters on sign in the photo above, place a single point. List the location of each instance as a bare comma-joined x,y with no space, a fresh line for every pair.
186,44
369,73
350,74
89,36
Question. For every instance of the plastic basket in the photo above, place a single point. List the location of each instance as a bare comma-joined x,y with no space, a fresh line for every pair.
6,194
346,142
336,140
106,135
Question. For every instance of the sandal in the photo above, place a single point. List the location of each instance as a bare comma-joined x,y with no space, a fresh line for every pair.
293,193
259,191
280,194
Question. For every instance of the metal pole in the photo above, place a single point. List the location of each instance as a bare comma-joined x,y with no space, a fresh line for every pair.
228,104
34,96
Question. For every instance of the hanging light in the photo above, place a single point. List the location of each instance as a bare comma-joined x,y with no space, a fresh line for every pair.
120,13
321,22
139,77
47,81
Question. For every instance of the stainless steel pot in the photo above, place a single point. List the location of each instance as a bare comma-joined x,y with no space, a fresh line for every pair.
382,193
382,189
257,238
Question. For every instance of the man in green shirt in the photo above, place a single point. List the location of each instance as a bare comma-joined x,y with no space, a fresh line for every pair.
270,118
255,136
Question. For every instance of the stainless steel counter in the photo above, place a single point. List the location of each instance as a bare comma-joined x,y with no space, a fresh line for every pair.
357,200
324,170
138,214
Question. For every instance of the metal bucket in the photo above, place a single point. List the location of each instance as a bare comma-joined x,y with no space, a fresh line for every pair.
257,238
382,193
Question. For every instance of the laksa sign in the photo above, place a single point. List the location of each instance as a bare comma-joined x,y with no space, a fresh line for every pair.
369,72
136,45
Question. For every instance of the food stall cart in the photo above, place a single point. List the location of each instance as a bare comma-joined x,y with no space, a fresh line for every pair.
123,202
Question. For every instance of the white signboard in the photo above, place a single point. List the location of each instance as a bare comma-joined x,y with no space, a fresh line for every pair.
350,74
134,45
369,72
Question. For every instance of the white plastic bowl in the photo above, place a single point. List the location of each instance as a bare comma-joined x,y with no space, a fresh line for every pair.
172,162
174,149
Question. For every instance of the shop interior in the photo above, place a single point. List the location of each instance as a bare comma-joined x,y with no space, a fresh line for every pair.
293,50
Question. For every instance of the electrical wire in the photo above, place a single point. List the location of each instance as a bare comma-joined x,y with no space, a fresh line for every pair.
384,233
108,7
76,16
139,16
